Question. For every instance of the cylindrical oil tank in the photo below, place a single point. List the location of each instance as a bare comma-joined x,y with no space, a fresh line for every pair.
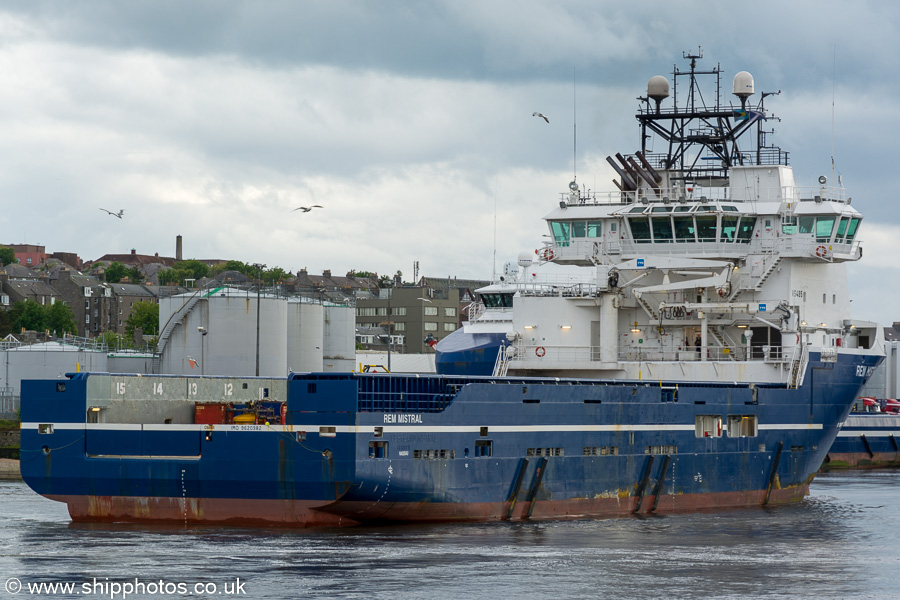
228,346
340,338
304,336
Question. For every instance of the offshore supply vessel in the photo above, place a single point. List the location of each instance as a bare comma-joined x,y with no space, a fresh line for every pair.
701,356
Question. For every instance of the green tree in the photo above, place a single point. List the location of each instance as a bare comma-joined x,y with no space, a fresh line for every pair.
197,269
7,323
30,315
115,272
115,340
236,265
60,318
276,275
144,315
7,255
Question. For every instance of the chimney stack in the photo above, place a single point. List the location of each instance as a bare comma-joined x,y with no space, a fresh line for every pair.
178,248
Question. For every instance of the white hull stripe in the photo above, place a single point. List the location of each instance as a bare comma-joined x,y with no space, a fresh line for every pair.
870,433
403,428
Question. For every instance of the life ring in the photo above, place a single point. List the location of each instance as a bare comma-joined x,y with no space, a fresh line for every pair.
540,351
548,254
821,251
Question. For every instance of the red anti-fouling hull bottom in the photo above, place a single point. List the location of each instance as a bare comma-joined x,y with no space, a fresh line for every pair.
299,513
861,460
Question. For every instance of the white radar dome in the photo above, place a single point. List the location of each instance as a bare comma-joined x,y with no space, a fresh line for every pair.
658,88
525,259
743,85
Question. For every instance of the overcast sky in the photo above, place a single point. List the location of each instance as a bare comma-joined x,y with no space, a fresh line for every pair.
409,122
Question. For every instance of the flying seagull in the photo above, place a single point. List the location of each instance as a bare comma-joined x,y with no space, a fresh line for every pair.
118,214
306,209
537,114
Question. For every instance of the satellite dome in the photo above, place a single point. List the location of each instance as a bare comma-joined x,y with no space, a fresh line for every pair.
743,85
525,259
658,88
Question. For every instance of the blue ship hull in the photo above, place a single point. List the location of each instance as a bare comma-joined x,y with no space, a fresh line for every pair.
462,353
866,441
359,448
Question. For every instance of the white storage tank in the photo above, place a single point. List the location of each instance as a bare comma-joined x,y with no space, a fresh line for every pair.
217,335
339,338
304,336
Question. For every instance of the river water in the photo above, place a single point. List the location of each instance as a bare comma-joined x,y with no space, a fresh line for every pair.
842,542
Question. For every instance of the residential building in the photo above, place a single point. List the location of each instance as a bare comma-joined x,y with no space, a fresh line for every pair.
18,282
90,299
411,315
29,255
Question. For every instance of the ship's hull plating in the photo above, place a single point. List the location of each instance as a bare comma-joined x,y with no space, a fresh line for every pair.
866,441
365,448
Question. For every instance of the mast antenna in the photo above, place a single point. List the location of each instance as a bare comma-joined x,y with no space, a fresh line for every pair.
574,129
833,76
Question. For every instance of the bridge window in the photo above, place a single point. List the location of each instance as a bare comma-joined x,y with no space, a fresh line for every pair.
745,229
706,228
841,230
560,232
824,226
640,229
729,229
851,229
578,228
684,229
807,224
594,229
662,229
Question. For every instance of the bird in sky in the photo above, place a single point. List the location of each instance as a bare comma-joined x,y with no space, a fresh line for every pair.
306,209
118,214
537,114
